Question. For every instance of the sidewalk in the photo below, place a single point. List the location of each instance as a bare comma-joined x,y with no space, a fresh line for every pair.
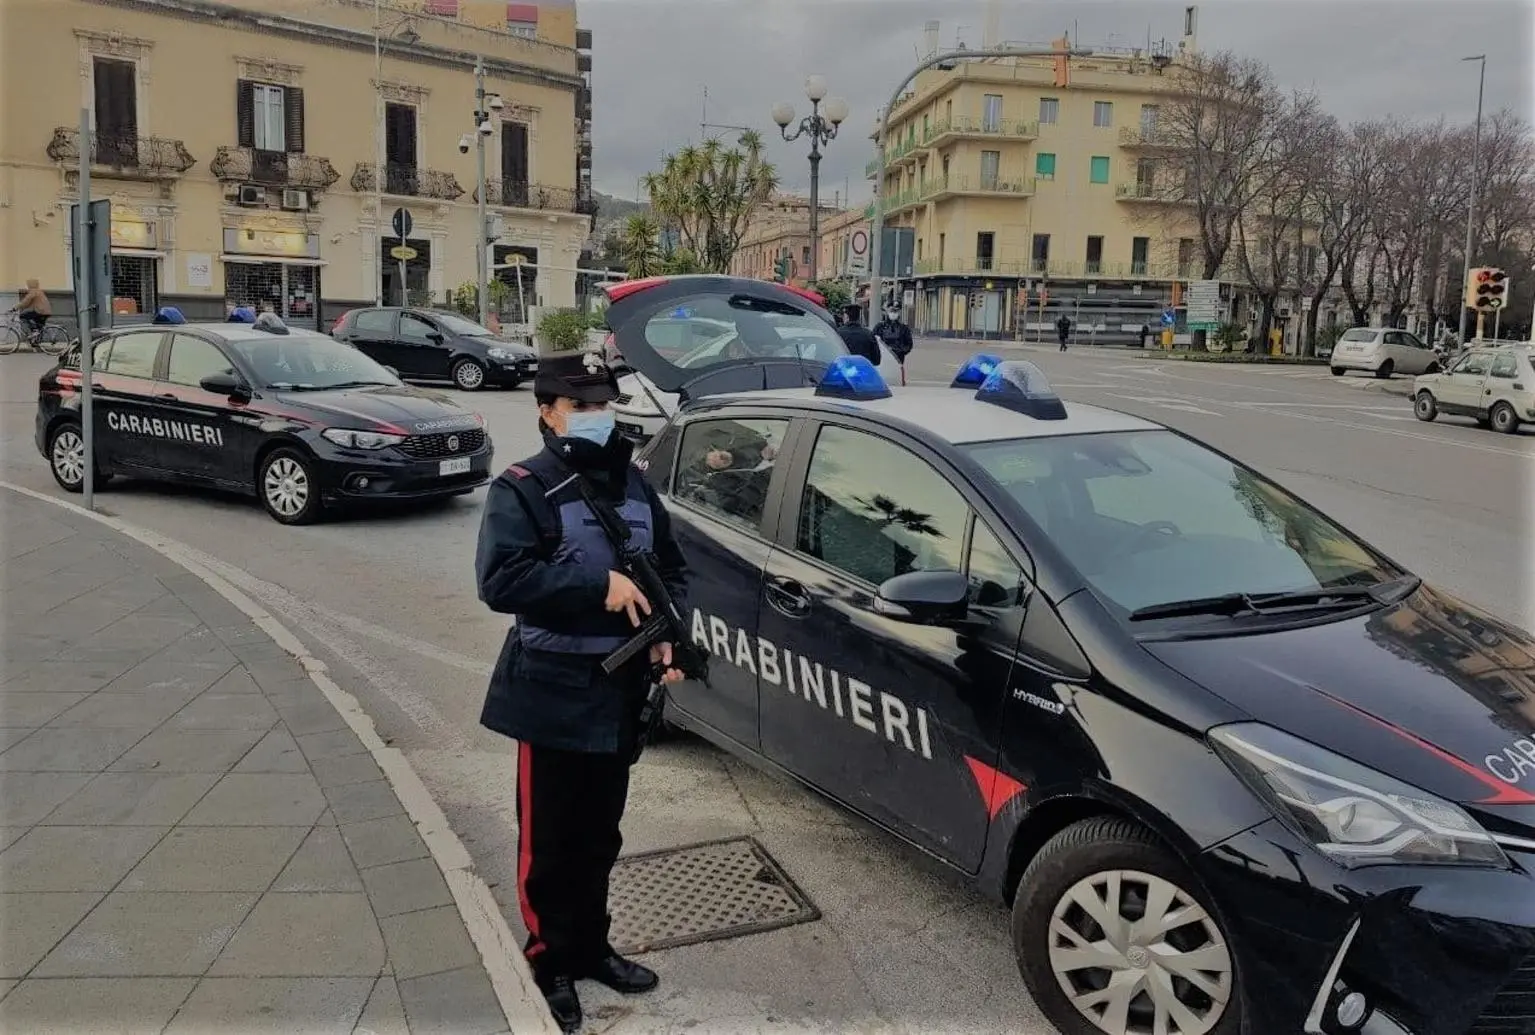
192,838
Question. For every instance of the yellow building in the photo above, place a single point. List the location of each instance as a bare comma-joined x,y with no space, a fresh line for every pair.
239,143
779,228
1025,179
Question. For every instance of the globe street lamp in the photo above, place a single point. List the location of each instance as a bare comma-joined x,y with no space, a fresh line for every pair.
821,127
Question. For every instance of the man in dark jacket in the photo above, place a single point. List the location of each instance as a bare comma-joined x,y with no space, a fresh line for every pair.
543,557
896,336
1063,330
857,337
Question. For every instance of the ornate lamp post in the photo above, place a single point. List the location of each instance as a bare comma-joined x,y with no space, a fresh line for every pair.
821,127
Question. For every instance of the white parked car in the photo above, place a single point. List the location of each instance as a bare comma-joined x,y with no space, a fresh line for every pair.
1495,386
1382,351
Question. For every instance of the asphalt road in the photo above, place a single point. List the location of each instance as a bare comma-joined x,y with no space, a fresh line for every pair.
389,600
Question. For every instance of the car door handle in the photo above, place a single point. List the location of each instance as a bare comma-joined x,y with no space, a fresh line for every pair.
168,397
788,596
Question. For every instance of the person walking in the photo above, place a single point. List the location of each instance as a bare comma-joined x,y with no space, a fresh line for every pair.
1063,330
544,557
896,336
857,338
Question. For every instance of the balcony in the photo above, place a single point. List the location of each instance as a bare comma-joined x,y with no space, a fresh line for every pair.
968,127
273,168
583,39
511,194
945,187
407,181
1148,191
124,157
1150,137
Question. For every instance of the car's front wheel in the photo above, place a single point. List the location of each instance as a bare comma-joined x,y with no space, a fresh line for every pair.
1424,407
1113,937
468,375
288,488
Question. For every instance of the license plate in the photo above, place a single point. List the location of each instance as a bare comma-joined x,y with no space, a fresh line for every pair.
458,465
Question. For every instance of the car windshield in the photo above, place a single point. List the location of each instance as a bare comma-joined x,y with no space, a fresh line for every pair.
308,362
1151,518
749,328
459,325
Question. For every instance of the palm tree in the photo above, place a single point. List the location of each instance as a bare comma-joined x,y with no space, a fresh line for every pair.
641,256
707,194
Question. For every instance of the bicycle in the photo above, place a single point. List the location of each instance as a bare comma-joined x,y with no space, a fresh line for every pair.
52,339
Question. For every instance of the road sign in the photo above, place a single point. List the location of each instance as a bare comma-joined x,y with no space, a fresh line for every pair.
1169,317
402,223
402,252
1204,303
858,252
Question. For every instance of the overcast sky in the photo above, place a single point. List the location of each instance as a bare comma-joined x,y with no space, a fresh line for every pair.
653,60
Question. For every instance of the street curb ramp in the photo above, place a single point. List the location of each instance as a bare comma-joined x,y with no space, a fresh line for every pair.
518,996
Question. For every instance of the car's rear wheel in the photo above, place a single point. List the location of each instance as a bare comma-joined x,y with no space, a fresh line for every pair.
1503,419
1113,937
1336,371
1386,369
468,375
288,488
66,459
1424,407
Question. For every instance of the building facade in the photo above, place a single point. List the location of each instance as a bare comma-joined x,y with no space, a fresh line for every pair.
779,228
255,152
1031,188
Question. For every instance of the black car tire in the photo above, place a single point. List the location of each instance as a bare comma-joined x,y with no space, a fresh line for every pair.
1074,860
1424,407
286,484
1386,370
1503,419
468,375
66,437
1337,371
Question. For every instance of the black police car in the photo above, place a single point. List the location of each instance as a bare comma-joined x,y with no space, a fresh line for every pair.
430,345
1234,769
298,419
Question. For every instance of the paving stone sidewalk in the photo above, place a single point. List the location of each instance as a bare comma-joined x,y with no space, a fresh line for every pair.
191,838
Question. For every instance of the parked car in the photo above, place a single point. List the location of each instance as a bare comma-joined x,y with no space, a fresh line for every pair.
1493,385
429,345
1382,351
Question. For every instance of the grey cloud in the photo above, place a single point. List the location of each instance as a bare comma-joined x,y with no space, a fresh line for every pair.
652,61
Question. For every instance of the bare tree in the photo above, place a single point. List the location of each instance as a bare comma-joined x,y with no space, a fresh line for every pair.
1348,184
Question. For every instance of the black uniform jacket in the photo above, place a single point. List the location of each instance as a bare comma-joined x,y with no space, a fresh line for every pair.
549,699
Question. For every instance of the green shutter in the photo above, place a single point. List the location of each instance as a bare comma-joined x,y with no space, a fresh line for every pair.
1100,170
1044,165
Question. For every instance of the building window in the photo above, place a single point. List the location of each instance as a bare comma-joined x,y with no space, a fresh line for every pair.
1041,253
1049,111
804,255
985,250
927,127
1185,256
522,20
134,283
1099,169
269,118
116,111
1103,113
991,114
445,8
400,148
991,165
943,240
1140,248
1094,255
1150,113
1044,165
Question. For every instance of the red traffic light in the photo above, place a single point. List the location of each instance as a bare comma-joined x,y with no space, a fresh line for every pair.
1482,276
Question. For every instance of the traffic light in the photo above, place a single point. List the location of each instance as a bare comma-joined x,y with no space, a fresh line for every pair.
1486,289
783,269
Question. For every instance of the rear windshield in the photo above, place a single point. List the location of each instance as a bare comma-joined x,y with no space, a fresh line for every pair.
1359,334
705,330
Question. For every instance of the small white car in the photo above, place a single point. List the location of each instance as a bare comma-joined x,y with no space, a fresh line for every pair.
1382,351
1496,386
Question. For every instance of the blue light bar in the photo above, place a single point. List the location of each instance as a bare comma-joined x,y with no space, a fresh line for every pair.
852,377
1022,387
242,314
975,370
169,314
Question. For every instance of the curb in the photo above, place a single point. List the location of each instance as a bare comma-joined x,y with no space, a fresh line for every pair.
521,1003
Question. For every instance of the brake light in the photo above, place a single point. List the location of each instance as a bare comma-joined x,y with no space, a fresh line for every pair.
819,300
625,288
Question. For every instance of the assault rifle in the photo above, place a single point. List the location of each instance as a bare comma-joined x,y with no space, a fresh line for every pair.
665,624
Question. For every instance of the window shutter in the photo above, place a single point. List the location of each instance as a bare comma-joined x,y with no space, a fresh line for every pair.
245,113
293,113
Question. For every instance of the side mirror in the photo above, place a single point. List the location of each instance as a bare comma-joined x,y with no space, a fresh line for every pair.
226,384
925,597
434,336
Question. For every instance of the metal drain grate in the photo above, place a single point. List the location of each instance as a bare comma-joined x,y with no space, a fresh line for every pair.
702,893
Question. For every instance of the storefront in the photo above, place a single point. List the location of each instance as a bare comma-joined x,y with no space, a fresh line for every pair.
135,263
274,269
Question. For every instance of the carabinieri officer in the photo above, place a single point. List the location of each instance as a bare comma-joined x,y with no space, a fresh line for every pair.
543,557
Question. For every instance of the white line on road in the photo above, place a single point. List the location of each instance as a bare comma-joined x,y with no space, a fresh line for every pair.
1166,403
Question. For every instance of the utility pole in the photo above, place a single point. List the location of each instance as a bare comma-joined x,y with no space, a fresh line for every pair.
482,235
85,260
1476,157
379,157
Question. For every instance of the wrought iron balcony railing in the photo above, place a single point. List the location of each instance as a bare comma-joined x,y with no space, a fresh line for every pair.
512,194
408,181
154,157
273,168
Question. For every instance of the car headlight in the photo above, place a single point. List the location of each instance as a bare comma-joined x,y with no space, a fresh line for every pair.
1350,812
506,354
353,439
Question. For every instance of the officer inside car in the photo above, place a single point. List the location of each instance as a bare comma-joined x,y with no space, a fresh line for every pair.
543,557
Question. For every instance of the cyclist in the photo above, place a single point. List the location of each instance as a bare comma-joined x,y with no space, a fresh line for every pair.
34,309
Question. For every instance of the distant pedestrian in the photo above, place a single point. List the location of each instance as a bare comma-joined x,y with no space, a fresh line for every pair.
1063,330
1145,335
896,336
857,338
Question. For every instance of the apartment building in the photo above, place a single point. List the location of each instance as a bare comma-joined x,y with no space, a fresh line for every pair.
778,228
1035,180
254,153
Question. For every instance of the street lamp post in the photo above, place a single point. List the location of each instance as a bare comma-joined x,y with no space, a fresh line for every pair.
1476,155
820,128
884,122
484,104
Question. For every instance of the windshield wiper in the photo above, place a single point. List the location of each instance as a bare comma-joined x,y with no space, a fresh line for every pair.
1237,605
356,384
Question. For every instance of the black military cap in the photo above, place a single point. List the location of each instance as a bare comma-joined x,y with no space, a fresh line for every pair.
582,375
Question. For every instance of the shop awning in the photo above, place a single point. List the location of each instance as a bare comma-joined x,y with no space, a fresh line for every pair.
261,260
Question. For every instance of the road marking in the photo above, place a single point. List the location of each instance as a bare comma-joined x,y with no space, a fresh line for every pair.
1332,406
510,977
1166,403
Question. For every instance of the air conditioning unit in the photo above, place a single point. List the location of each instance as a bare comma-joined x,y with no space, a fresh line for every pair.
295,200
251,195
